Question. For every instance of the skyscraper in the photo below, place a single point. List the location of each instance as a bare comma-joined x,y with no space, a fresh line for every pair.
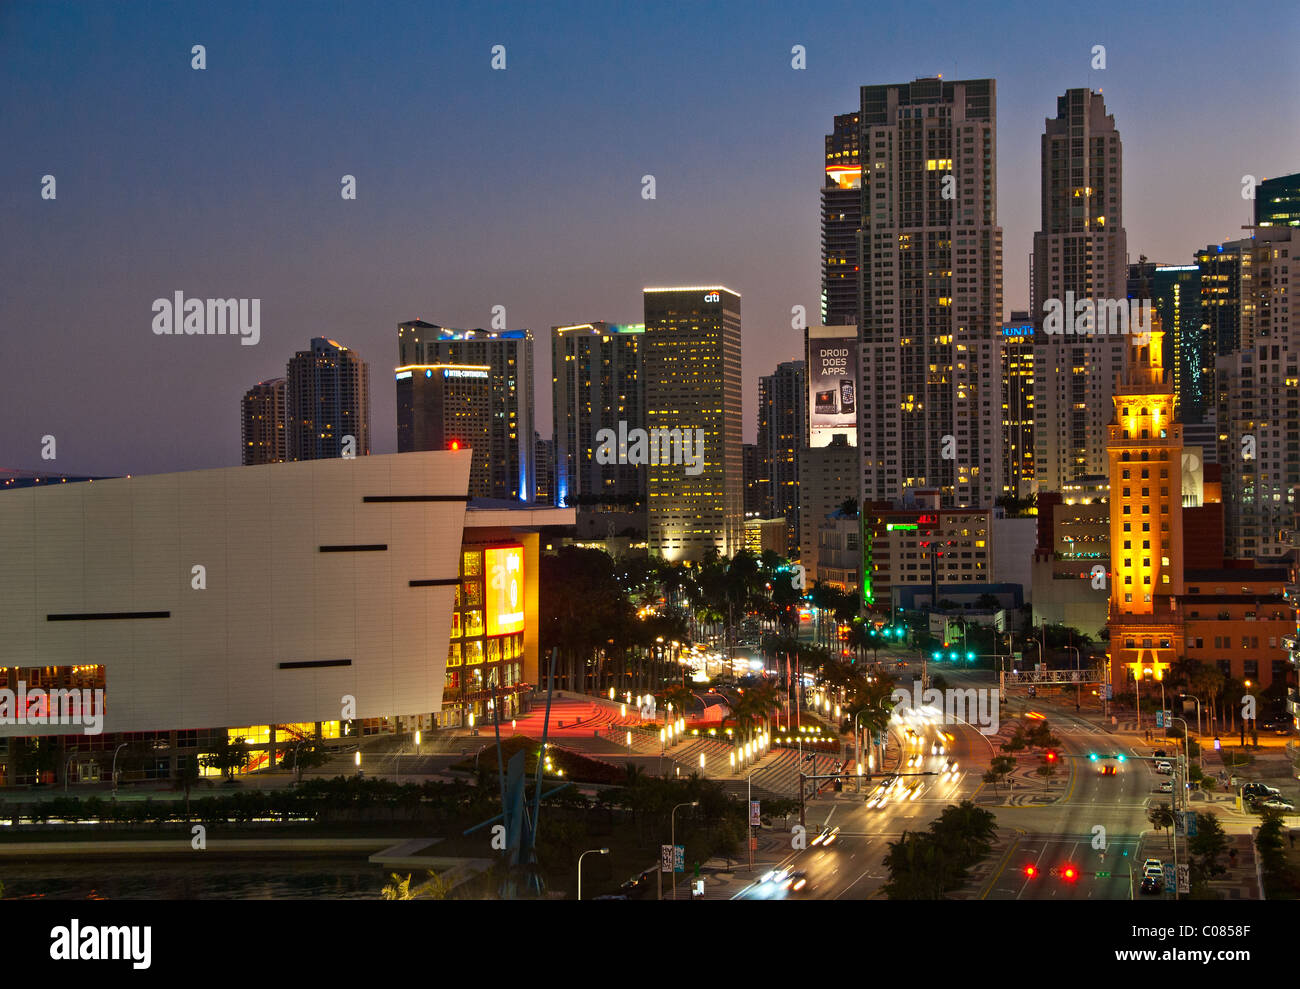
1079,250
1277,202
261,413
596,383
1258,419
931,291
327,402
782,425
1222,268
509,356
691,364
1018,413
1144,454
841,216
447,407
1175,294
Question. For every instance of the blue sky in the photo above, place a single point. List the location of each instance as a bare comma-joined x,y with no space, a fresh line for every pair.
519,187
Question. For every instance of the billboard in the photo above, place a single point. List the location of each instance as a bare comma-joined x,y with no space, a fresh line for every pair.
505,589
833,386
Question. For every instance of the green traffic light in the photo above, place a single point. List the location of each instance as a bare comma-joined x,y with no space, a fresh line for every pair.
1121,757
1092,756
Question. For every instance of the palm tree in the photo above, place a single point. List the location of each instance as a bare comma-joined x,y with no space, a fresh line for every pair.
433,888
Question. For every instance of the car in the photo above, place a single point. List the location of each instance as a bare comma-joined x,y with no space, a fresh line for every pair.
1276,803
775,876
1149,863
796,881
1109,769
1165,786
1260,790
1151,885
1159,753
1164,769
1156,870
826,836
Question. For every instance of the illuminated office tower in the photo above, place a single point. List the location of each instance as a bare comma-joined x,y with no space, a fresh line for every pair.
1079,250
691,363
782,424
447,407
327,401
1277,202
1223,267
262,423
930,291
841,216
509,356
596,383
1017,356
1258,419
1175,294
1144,454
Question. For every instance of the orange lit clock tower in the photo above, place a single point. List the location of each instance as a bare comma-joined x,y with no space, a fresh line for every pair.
1144,451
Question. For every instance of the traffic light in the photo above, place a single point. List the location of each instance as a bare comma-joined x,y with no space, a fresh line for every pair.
970,657
1120,757
1069,873
1092,756
1050,755
1030,872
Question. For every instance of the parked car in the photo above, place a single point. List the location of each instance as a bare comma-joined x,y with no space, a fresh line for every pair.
1260,790
1276,803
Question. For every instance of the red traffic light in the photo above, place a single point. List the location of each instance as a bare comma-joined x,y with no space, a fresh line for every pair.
1070,873
1051,756
1030,872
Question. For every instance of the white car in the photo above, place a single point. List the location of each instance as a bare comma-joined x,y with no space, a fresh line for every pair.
1164,768
1166,786
1154,870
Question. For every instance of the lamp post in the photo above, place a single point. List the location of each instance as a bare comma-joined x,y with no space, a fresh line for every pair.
1198,711
598,851
857,746
1180,784
672,818
115,752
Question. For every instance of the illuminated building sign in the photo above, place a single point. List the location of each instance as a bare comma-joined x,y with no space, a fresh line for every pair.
505,589
458,372
712,297
907,526
927,520
832,386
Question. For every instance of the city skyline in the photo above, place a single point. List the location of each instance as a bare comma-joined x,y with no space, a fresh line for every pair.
179,197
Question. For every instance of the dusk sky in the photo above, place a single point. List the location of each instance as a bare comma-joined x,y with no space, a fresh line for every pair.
521,187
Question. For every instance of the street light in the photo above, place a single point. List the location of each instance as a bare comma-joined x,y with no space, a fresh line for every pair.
115,752
1198,710
598,851
673,822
